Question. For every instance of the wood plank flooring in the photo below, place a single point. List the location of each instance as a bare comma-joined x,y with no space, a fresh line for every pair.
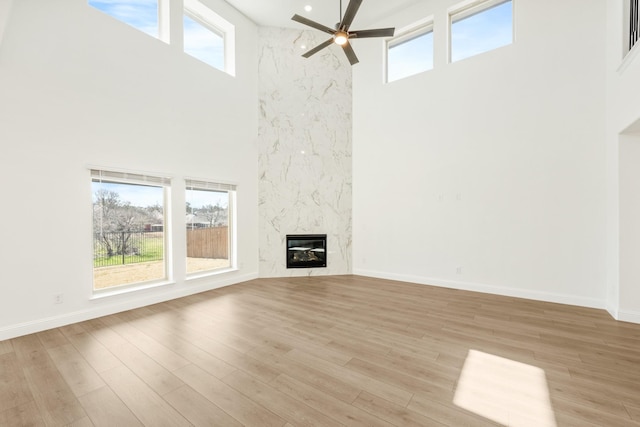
328,351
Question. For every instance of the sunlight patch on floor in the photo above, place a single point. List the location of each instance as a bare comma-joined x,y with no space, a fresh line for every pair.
505,391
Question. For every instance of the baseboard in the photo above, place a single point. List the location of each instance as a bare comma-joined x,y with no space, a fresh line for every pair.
613,311
44,324
629,316
487,289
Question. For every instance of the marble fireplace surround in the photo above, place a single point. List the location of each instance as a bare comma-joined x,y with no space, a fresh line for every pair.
304,139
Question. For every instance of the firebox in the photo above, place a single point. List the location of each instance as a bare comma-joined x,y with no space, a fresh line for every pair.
306,250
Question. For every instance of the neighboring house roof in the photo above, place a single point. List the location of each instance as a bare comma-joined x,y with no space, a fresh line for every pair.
195,219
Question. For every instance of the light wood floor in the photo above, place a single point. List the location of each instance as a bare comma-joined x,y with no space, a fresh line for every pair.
328,351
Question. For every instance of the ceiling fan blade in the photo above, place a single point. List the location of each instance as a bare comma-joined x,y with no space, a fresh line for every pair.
379,32
318,48
349,14
351,55
313,24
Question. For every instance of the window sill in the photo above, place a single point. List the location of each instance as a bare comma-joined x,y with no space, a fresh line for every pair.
128,289
210,273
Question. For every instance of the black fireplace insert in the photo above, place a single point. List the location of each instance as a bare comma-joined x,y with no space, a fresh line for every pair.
306,250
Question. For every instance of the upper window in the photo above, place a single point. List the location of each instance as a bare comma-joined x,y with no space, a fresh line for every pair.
410,53
479,27
208,37
203,42
209,218
140,14
129,228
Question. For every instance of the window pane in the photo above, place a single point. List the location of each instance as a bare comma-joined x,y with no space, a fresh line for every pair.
481,32
207,230
128,234
410,57
203,43
140,14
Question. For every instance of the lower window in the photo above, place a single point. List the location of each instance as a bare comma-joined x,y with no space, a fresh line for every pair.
209,218
129,228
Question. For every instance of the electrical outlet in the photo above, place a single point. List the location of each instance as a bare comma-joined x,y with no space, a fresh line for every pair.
58,298
459,270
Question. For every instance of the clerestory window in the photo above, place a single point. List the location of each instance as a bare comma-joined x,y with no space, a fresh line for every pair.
144,15
411,52
208,37
480,26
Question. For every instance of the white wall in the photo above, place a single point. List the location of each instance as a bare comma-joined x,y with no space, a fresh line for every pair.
5,10
305,175
80,89
623,155
489,173
629,307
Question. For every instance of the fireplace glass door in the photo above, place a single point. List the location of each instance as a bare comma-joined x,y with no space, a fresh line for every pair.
306,250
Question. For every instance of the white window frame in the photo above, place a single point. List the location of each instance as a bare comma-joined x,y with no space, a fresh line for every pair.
406,34
231,189
138,178
472,7
214,22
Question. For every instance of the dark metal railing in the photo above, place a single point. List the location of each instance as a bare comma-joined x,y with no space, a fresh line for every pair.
634,22
127,247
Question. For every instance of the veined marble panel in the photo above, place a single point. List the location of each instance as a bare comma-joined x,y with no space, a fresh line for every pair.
305,172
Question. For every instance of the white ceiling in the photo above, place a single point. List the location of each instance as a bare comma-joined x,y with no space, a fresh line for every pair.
278,13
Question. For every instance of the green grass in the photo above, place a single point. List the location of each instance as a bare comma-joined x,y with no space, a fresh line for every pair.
150,248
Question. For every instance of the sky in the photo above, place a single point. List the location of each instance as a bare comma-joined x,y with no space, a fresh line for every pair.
141,14
143,196
202,43
490,29
404,61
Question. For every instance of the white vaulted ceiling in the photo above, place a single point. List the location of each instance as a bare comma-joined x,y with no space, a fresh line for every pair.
278,13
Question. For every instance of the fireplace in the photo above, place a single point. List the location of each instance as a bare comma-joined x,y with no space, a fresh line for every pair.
306,250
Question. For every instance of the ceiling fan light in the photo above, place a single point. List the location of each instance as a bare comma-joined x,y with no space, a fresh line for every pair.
340,38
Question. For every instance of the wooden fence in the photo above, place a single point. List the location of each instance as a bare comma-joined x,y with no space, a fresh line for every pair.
208,243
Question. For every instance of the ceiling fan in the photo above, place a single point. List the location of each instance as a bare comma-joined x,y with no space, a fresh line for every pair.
341,34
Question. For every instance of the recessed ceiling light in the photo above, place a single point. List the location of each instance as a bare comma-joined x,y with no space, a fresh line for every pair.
303,46
308,8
